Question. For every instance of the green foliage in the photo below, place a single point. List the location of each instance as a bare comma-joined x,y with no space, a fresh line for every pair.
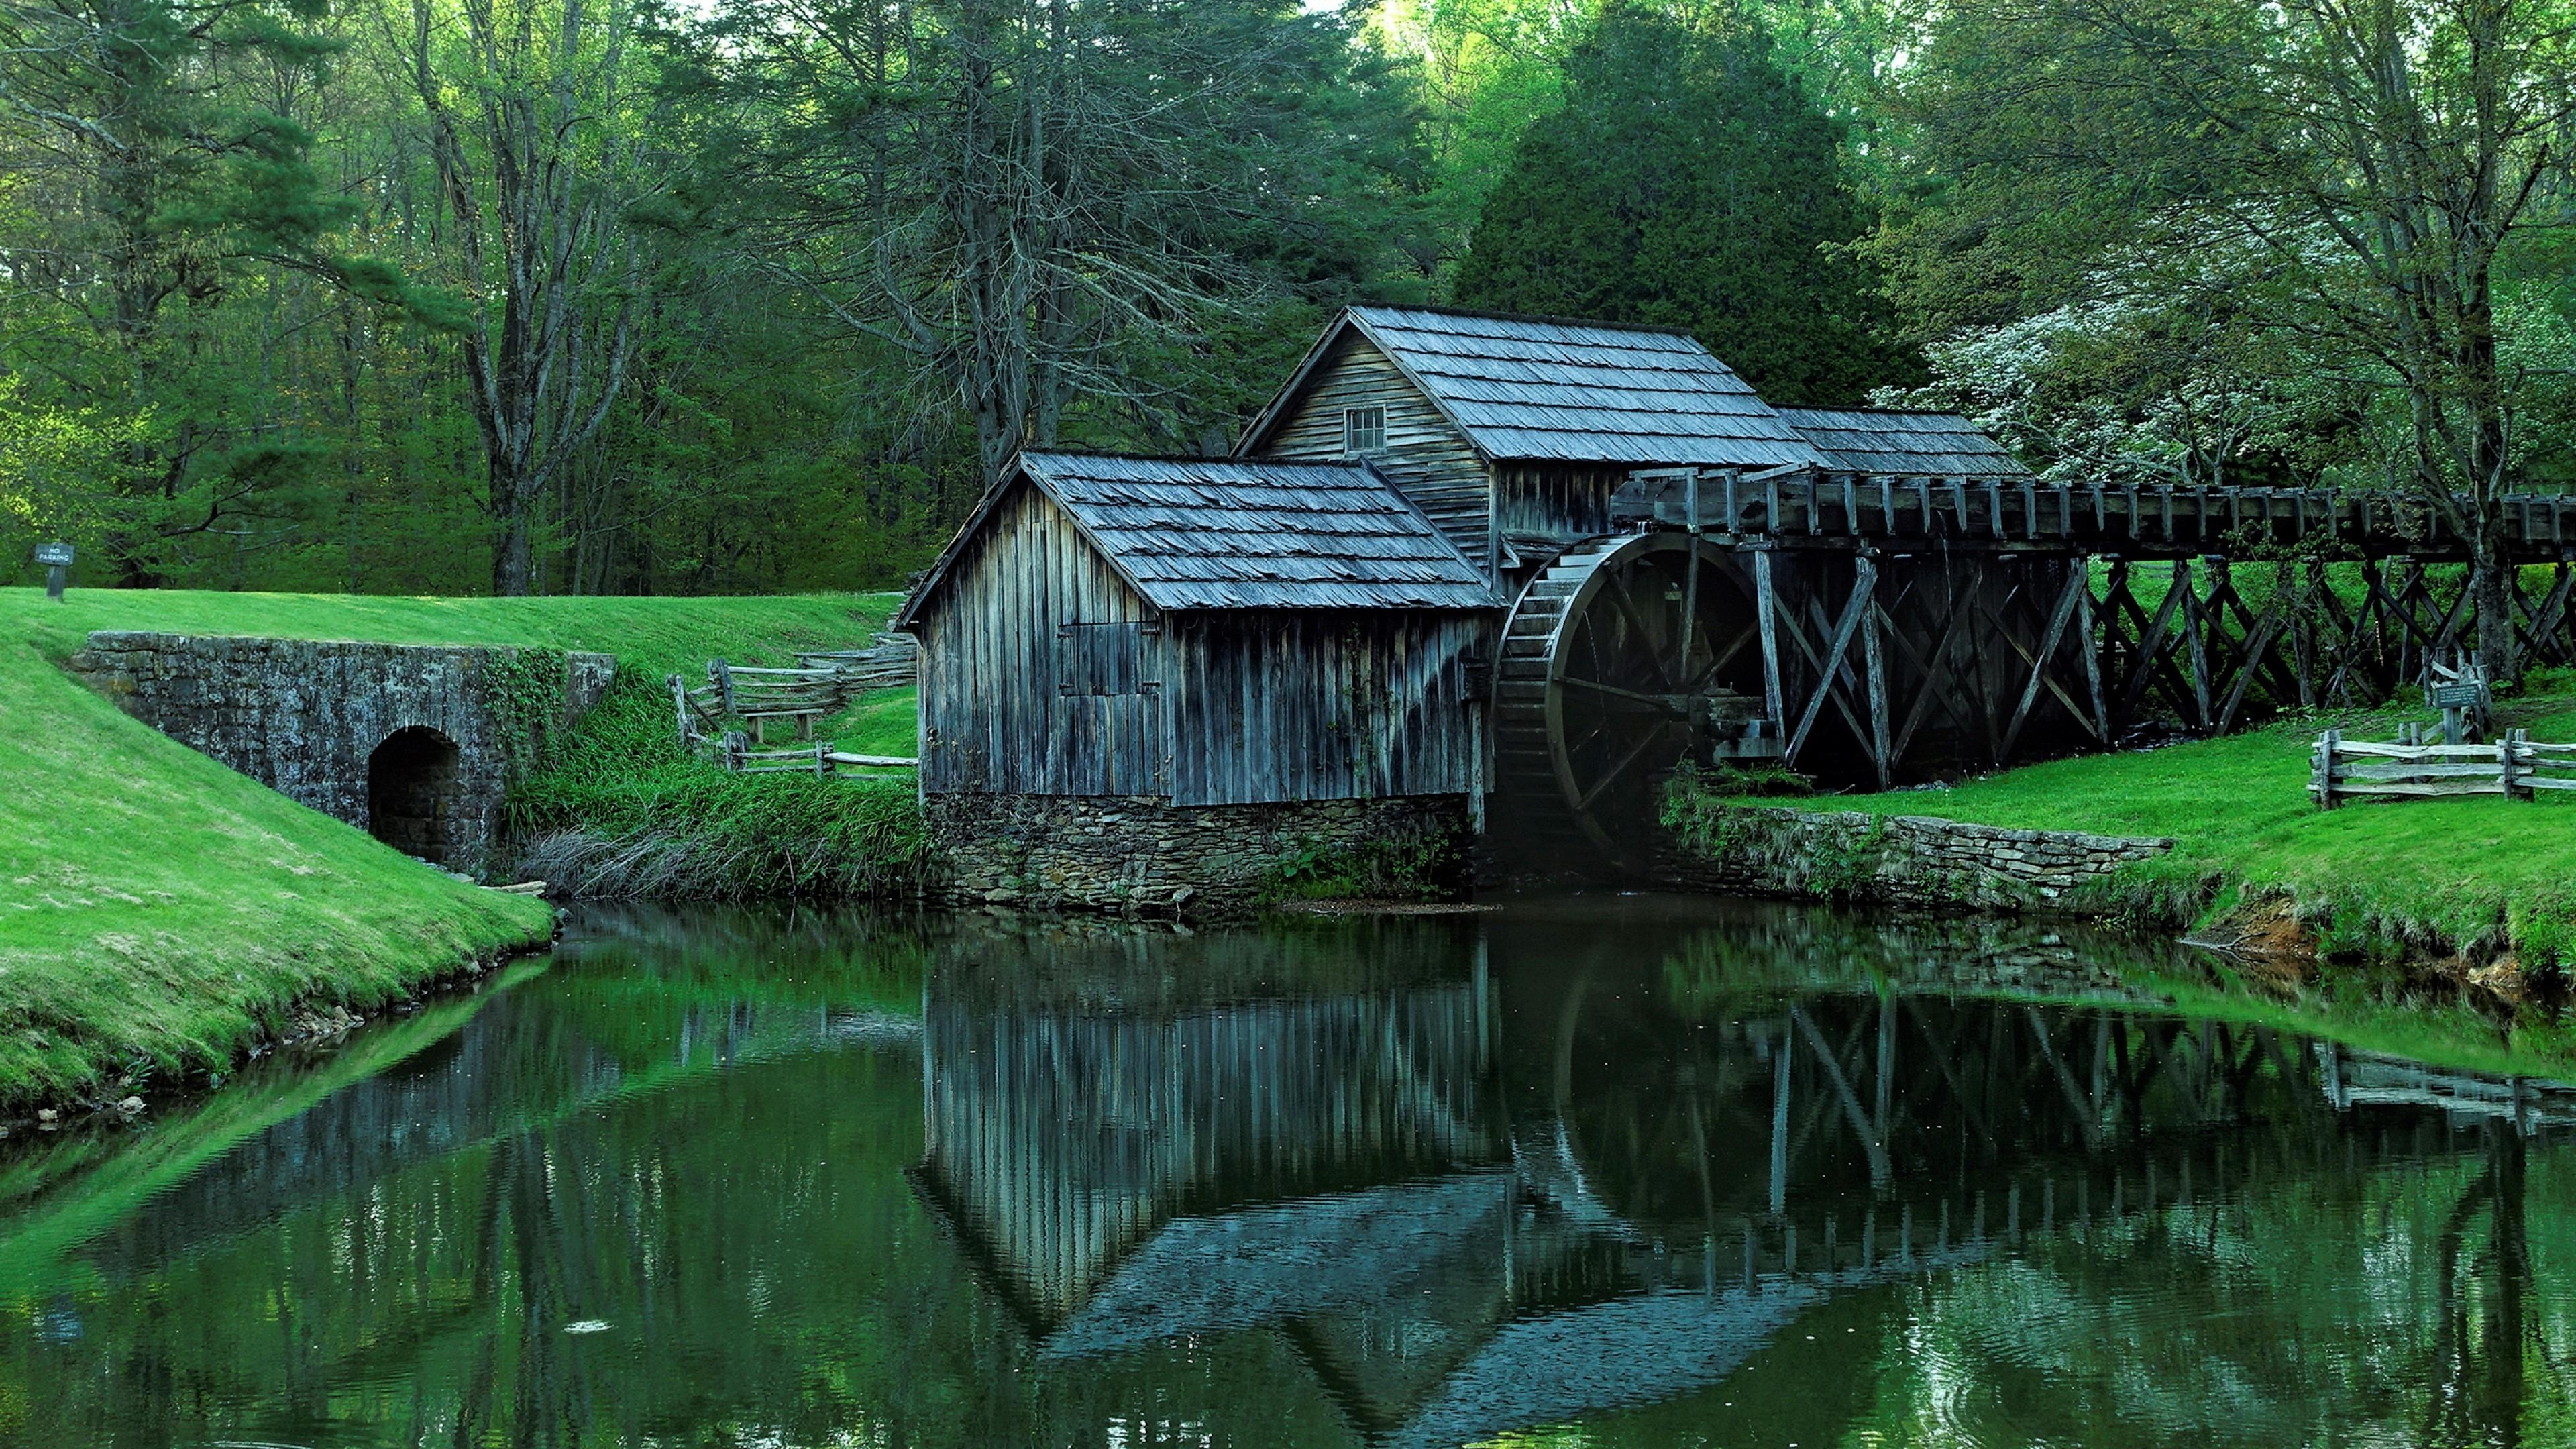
1708,818
1415,865
1484,70
2175,237
1755,777
1692,809
626,811
248,341
525,689
1690,183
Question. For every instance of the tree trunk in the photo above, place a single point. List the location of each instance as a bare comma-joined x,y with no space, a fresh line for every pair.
511,558
2491,583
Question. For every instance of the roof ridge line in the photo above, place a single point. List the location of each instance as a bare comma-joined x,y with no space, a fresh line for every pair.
1188,458
1442,309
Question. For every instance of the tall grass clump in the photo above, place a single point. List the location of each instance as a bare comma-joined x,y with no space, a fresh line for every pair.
623,810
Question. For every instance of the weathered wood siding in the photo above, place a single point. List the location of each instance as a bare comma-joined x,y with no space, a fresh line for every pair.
1425,457
1042,671
1562,501
1321,705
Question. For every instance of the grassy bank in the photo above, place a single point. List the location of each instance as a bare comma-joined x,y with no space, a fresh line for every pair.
2370,881
165,913
624,811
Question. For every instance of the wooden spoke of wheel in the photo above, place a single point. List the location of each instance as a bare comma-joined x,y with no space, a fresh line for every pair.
1603,652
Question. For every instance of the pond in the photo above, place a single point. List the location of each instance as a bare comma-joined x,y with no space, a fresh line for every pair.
1601,1172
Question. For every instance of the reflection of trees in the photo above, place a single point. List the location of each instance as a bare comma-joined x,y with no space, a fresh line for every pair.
2348,1288
2473,1403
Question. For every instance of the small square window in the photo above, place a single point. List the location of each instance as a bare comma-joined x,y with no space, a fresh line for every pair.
1363,431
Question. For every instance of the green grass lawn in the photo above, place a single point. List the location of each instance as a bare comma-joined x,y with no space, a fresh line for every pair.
2434,873
659,635
163,912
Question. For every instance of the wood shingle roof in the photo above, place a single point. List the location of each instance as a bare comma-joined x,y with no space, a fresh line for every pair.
1885,440
1227,533
1535,388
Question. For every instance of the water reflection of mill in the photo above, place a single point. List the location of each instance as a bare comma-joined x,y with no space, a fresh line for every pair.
1499,1194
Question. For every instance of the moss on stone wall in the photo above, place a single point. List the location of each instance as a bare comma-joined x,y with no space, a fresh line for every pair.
1717,843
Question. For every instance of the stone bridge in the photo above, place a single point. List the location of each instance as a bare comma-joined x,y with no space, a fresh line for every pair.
415,744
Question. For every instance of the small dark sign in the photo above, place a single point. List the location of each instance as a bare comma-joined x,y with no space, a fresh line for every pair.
2458,696
54,554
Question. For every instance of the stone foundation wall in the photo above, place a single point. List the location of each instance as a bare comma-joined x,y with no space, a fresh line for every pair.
305,717
1142,853
1907,860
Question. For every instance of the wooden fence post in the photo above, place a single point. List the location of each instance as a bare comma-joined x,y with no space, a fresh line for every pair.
680,705
2505,749
722,675
2323,785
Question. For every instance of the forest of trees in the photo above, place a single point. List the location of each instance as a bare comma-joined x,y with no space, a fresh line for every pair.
694,296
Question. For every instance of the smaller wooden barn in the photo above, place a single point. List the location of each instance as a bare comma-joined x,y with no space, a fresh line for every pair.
1109,638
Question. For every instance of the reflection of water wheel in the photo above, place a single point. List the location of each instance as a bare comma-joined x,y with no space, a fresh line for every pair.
1621,658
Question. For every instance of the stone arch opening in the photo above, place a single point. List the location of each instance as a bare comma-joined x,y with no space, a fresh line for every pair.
412,793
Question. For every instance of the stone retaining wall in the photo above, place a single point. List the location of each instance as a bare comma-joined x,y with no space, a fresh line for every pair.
307,717
1142,853
1908,860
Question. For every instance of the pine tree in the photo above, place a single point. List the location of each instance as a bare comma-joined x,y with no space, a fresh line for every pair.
1689,182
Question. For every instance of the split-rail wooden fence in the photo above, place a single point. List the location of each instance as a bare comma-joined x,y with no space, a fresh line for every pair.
825,682
2513,766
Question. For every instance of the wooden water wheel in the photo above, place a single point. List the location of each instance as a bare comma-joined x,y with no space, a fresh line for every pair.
1623,657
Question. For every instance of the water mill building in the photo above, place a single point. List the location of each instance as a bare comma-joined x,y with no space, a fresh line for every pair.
1477,573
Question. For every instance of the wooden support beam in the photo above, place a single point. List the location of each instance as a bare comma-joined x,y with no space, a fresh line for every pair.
1999,620
1874,660
2303,628
2351,646
1930,689
2090,644
1857,607
2549,622
2077,586
2193,640
1837,680
1766,611
2154,663
2257,644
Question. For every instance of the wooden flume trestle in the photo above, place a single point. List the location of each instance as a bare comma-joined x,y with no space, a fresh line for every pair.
1874,629
2133,520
